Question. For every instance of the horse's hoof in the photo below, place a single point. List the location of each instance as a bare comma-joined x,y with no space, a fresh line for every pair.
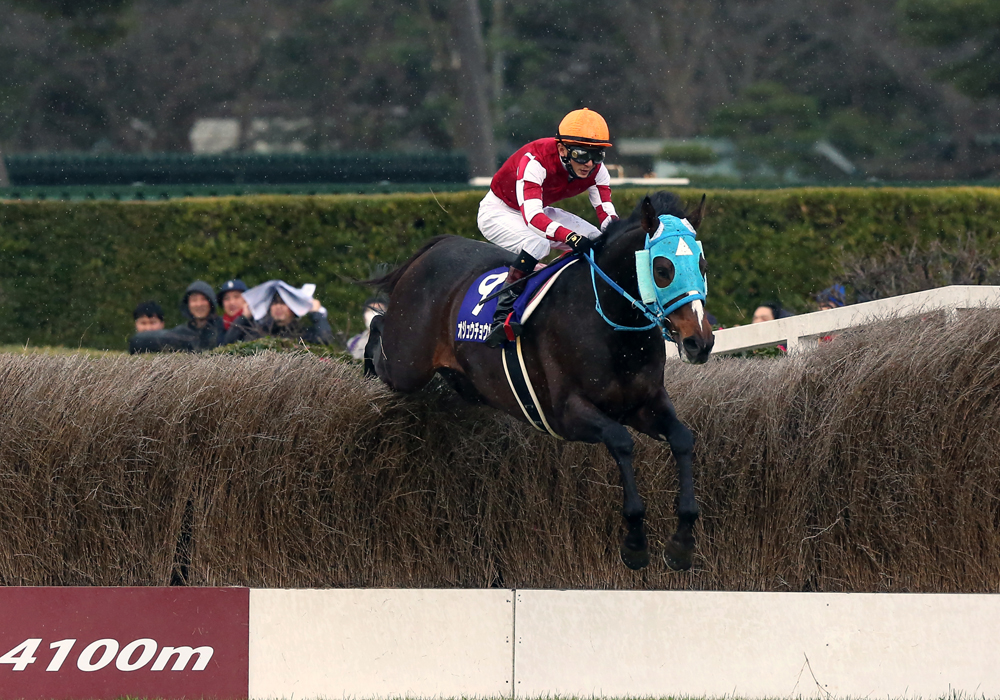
677,557
634,559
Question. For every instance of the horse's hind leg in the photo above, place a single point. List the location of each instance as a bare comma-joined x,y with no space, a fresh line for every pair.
583,421
404,366
659,420
373,348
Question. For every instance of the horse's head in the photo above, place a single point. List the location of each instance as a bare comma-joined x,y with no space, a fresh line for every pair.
671,273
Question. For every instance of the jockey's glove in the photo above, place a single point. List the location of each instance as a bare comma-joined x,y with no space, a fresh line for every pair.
579,244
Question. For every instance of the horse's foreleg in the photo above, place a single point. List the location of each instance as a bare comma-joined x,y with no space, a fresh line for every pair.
584,422
659,420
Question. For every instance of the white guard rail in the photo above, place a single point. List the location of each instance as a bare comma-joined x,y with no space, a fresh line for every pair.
617,181
529,644
804,331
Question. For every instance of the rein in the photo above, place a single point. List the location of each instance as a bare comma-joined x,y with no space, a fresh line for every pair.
675,241
654,314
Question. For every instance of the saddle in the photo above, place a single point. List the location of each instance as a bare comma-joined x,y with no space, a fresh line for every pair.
475,315
473,325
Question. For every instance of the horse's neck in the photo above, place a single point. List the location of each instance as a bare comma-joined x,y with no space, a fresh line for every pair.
617,259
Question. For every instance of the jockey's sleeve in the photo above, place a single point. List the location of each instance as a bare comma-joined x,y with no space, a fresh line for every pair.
530,176
600,197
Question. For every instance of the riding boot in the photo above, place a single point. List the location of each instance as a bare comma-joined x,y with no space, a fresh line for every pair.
505,301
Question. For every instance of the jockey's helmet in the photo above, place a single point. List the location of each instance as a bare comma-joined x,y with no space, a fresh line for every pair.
584,128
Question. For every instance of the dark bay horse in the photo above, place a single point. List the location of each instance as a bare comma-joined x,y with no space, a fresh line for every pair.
590,379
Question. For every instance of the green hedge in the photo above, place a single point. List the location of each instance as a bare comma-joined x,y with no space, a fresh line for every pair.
61,169
71,272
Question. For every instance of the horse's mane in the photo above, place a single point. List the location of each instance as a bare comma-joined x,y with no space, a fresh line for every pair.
663,203
387,283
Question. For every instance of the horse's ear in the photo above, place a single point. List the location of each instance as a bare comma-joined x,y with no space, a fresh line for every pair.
695,217
649,221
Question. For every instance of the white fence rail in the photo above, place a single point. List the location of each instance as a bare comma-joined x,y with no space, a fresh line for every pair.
618,644
618,181
803,332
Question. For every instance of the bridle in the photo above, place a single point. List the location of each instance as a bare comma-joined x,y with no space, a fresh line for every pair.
652,305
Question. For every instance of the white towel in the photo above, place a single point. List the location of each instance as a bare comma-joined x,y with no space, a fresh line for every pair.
298,300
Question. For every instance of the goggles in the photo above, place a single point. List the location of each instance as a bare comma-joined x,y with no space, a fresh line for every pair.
585,155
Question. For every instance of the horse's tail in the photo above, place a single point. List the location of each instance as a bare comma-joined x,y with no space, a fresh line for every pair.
388,282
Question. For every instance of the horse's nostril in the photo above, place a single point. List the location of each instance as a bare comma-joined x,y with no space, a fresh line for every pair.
692,345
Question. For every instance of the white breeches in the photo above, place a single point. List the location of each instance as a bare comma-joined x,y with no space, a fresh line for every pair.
506,228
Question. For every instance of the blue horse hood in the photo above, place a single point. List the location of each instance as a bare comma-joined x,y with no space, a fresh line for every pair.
674,240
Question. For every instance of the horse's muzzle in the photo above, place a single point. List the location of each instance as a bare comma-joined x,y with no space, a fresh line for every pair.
696,349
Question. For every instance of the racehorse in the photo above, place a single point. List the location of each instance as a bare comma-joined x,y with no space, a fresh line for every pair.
590,379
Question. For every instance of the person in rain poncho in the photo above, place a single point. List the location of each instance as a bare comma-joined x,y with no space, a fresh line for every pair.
281,311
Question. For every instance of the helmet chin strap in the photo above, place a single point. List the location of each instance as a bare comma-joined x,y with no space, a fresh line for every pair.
566,163
569,168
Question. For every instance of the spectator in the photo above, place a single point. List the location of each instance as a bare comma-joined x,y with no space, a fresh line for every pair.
204,328
831,298
203,331
770,311
231,301
281,311
148,316
356,345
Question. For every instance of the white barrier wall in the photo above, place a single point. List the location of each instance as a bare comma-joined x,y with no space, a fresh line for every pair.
458,643
380,643
752,645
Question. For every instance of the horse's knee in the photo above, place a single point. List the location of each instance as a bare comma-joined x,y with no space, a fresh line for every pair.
681,438
618,441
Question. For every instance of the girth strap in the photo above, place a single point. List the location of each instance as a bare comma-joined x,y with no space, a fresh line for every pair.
520,385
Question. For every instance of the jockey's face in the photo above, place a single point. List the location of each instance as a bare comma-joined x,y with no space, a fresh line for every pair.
581,170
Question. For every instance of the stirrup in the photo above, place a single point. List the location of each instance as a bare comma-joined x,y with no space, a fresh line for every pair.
503,331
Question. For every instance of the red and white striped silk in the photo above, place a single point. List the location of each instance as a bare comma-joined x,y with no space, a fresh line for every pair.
531,176
600,197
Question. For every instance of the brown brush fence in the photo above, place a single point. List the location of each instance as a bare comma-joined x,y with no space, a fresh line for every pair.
871,464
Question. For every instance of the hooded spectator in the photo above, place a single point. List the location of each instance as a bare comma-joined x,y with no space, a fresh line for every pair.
203,331
148,316
280,319
831,298
230,298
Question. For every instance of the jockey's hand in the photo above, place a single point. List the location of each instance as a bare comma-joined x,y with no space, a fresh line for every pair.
578,244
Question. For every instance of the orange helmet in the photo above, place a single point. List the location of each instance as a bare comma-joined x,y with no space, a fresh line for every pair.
586,128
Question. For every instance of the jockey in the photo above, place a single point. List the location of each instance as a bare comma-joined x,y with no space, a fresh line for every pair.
515,213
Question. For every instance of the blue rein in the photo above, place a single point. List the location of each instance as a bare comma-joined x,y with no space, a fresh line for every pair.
674,240
646,311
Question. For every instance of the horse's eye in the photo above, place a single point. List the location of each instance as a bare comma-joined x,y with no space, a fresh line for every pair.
703,266
663,272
